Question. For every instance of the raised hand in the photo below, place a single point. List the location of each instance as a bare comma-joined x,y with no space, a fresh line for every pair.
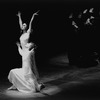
36,13
19,14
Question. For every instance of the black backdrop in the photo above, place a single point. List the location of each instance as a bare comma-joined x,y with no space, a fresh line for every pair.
52,32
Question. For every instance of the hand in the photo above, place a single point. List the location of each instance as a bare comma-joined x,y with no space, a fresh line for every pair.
36,13
18,13
18,44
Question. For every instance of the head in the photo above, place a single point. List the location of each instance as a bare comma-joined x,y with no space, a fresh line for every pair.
24,26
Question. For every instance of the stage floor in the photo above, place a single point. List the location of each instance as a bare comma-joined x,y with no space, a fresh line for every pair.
81,84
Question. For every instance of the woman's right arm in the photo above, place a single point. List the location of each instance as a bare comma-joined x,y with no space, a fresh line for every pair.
20,20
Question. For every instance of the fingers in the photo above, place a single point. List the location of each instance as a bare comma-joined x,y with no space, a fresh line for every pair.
18,14
36,13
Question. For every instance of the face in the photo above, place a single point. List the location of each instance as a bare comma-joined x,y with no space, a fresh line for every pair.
24,26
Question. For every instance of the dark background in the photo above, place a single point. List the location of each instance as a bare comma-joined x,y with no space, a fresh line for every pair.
52,33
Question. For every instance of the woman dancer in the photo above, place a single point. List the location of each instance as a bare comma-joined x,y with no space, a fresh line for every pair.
25,79
24,38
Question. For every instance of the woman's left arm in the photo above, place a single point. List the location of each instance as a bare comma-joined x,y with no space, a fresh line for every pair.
30,24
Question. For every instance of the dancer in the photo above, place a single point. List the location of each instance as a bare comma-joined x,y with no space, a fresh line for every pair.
24,38
25,79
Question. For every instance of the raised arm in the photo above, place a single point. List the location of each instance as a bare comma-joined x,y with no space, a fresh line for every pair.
20,20
30,24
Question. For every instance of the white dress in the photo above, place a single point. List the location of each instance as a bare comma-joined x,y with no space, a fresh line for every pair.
23,78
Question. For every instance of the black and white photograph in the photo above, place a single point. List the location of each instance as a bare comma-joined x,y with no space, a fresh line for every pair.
50,49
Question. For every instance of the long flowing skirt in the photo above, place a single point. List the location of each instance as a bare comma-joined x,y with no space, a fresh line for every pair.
23,82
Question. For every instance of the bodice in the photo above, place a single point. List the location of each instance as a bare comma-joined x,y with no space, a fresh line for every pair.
24,38
26,61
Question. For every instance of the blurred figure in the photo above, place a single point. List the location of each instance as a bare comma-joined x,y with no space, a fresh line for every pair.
25,79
